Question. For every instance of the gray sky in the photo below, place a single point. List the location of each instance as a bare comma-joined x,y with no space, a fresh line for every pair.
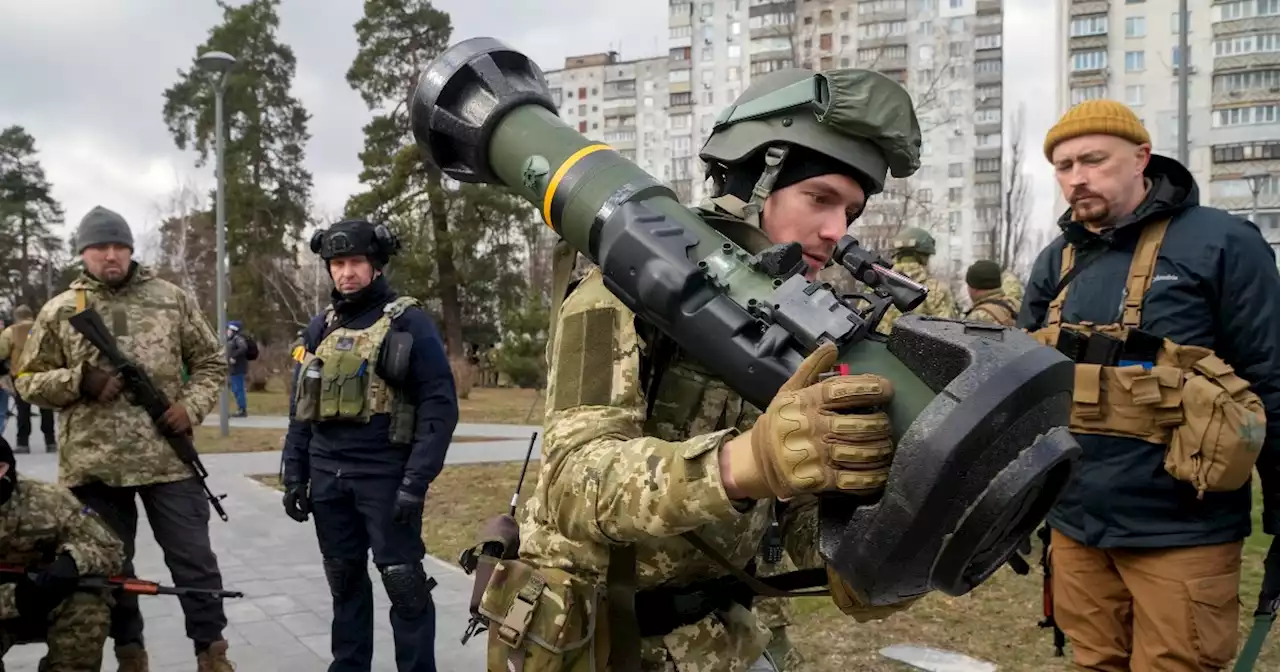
86,78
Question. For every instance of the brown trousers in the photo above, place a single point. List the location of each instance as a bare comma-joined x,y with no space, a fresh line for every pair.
1147,610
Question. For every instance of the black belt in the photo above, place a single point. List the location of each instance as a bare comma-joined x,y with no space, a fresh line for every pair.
665,609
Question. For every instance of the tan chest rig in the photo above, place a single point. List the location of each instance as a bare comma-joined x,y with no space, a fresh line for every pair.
997,307
1187,399
339,380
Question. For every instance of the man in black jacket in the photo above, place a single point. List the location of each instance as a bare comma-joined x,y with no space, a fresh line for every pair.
372,417
1146,566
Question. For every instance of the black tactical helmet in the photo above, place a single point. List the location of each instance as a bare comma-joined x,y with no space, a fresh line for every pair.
353,237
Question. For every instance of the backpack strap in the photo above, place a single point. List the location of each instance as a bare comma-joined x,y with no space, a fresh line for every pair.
82,299
1141,271
397,307
1004,312
1055,306
563,260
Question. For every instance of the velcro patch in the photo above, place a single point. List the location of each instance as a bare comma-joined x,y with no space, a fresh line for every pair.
585,352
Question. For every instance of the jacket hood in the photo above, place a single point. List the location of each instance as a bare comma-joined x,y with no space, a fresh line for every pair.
1173,190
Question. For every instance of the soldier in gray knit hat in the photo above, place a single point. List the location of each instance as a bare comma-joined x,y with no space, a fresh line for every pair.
100,230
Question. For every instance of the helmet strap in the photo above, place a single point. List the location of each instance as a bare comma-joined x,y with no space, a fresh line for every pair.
773,158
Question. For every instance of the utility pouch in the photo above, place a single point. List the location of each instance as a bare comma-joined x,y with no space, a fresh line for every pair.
306,403
540,620
1217,445
345,387
1132,401
404,417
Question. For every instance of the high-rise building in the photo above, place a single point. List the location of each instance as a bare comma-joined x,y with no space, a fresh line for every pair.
947,53
620,103
1128,51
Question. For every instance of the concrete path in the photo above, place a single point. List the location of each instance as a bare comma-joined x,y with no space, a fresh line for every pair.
282,623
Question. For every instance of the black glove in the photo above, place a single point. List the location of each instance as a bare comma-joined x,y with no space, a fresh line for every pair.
408,508
296,503
51,587
1269,596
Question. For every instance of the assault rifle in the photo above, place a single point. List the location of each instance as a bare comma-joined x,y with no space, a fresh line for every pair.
143,393
11,573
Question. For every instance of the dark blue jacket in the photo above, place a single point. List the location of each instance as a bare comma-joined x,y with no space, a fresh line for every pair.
358,449
1215,285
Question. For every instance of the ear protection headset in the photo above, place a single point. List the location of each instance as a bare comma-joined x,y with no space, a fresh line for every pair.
351,236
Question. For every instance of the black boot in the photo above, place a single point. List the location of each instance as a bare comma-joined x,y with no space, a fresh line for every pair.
22,448
50,444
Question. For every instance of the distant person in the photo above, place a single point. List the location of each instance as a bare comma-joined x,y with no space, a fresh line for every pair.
112,451
986,291
238,365
912,249
371,422
12,340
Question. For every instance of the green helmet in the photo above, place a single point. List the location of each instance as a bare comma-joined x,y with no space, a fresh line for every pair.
858,117
914,240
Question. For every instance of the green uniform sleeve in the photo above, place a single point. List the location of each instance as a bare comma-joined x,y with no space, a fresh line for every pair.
610,482
85,537
41,375
206,365
8,601
800,532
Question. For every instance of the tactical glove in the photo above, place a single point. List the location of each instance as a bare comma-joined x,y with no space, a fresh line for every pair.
1269,596
844,598
176,419
99,385
296,503
820,435
408,508
51,586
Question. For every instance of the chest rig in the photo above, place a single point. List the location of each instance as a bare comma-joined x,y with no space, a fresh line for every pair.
1131,383
339,381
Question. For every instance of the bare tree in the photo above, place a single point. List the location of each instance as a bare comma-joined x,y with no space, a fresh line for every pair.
1009,234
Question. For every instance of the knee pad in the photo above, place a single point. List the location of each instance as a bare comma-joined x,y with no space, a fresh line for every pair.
408,588
343,576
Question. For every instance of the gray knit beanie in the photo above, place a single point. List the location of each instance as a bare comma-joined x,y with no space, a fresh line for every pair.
102,226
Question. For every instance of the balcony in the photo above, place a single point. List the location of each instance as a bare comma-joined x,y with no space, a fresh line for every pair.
1244,61
1081,78
1258,94
980,153
1236,26
884,41
988,7
1088,42
1079,8
989,26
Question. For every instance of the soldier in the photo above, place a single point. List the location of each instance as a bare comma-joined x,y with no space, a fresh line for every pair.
45,527
658,480
1011,286
112,452
912,249
373,415
990,303
12,340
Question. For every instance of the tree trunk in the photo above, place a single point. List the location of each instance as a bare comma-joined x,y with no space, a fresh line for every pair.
450,305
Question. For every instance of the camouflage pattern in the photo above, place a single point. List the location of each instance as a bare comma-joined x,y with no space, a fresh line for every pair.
161,328
7,338
1012,287
613,473
40,521
775,613
987,313
940,302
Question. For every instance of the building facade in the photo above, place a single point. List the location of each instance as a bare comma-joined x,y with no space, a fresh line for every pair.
1127,50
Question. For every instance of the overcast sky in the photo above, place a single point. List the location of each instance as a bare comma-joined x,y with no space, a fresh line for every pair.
86,78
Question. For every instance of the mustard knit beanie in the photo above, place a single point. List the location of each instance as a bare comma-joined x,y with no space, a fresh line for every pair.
1094,117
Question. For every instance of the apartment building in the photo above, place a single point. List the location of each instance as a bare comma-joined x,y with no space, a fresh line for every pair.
620,103
947,53
1128,50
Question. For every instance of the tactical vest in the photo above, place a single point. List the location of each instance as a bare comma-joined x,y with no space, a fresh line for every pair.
20,332
339,379
1182,396
998,308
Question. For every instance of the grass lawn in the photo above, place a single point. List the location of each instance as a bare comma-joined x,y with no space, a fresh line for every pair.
996,622
508,406
238,440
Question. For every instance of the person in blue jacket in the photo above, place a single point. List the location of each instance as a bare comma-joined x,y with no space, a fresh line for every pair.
372,415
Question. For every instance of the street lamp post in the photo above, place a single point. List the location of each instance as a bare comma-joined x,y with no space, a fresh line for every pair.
220,62
1255,180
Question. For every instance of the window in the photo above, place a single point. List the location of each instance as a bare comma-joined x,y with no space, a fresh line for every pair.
678,32
1177,57
708,9
1244,9
882,29
1093,24
1175,26
582,92
957,98
824,42
681,120
955,220
734,74
708,98
582,127
1133,94
955,170
987,91
735,28
681,145
1135,26
648,101
1255,79
993,66
988,42
986,165
924,195
1247,116
955,194
1135,61
955,145
735,51
987,190
956,49
956,25
1246,151
957,4
1094,59
582,110
1175,92
986,140
989,115
1249,44
678,75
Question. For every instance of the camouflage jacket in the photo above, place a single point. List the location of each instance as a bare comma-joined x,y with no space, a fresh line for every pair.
1011,286
42,520
939,303
985,312
615,472
158,326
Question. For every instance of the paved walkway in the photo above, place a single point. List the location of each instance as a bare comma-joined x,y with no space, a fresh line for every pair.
282,623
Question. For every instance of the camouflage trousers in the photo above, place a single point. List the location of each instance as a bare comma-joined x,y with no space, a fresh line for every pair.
76,632
775,614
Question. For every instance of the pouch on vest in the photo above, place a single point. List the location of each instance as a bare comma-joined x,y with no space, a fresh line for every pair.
344,386
1218,442
541,620
306,403
404,419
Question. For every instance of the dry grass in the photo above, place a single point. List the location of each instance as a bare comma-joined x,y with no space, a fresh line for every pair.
498,405
996,622
209,440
